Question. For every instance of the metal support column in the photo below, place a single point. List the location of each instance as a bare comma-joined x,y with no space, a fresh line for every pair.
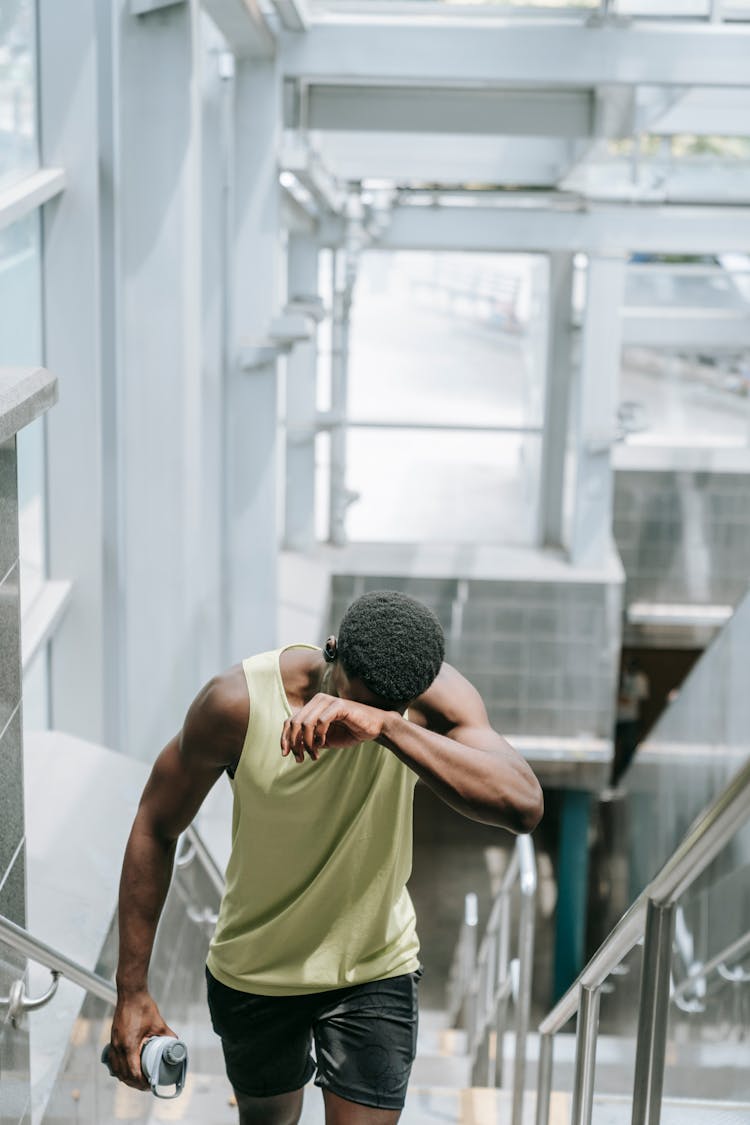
251,400
653,1014
344,271
596,409
299,531
573,879
556,399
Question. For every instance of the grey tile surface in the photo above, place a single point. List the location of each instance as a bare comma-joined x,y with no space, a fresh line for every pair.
10,645
8,507
684,536
13,891
11,791
518,642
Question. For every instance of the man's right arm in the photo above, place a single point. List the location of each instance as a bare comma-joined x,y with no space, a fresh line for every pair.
210,740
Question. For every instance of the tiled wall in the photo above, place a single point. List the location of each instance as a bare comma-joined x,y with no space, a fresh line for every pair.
683,536
14,1050
543,655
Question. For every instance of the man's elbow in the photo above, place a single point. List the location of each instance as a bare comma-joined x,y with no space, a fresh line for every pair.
528,809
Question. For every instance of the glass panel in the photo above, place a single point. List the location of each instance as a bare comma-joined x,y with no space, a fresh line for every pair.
21,343
18,141
708,1052
679,399
698,394
442,486
448,339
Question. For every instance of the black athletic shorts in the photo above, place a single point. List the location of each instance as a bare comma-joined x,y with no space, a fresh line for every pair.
365,1039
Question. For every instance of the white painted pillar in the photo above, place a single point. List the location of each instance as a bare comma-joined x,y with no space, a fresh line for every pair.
595,415
301,409
559,352
81,662
252,447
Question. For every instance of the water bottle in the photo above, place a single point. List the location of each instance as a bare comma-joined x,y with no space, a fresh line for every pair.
164,1062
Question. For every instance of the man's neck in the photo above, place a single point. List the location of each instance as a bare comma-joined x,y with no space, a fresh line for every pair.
305,673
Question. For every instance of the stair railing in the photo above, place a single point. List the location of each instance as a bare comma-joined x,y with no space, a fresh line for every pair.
652,918
34,949
482,983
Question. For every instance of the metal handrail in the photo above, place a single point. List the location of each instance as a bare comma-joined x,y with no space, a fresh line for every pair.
208,862
36,950
487,979
651,917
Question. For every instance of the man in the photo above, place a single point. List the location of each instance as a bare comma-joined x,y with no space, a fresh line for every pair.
634,690
316,934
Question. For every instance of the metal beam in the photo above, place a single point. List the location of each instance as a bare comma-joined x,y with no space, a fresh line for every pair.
657,229
244,26
406,109
447,158
497,52
297,158
294,14
687,328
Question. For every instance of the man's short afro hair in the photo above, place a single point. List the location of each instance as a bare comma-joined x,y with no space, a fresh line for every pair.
393,643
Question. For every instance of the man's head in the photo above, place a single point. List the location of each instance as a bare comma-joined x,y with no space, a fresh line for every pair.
390,645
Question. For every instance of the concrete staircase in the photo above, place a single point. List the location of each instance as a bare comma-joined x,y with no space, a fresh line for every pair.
439,1091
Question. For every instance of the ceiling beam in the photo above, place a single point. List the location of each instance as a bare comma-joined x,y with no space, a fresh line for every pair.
686,328
294,14
244,27
616,229
497,52
404,109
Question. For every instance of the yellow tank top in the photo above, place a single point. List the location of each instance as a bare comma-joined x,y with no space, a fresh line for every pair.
315,893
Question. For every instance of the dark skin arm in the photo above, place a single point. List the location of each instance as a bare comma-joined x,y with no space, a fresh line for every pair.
447,741
210,740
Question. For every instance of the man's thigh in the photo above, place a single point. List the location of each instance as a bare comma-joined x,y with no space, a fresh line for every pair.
365,1043
266,1042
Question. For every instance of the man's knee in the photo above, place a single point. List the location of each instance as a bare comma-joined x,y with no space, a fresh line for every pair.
281,1109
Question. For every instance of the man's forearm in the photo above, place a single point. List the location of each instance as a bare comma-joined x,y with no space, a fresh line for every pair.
480,784
146,874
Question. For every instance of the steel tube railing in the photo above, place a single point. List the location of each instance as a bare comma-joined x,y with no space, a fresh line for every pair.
652,917
701,972
586,1033
526,934
653,1013
35,950
544,1079
39,951
492,979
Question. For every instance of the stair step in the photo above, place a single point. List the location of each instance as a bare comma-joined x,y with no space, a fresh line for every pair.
209,1098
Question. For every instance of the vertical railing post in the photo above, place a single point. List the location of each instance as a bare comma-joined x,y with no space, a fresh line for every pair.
526,926
469,955
544,1078
587,1028
653,1014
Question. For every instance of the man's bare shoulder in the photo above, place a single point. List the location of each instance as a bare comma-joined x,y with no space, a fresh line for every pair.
216,722
450,701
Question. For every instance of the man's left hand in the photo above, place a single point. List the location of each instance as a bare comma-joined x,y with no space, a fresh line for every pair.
327,721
